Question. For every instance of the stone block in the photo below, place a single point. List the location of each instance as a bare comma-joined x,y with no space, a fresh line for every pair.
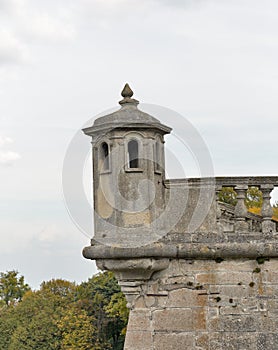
267,341
202,341
173,320
136,340
229,291
139,320
173,341
199,319
224,277
186,297
139,302
232,341
234,323
270,276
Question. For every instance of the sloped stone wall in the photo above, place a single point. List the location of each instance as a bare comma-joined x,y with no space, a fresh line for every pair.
205,304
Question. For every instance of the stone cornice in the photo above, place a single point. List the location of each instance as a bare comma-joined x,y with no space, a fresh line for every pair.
227,181
225,250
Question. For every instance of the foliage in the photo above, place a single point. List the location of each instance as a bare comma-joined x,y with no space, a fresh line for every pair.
77,330
255,210
227,195
254,198
12,287
117,309
95,297
59,287
64,316
38,315
8,324
275,211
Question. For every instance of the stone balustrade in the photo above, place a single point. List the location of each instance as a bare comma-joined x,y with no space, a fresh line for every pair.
237,218
229,232
226,219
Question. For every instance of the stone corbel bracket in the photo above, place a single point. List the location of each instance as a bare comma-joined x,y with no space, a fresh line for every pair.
132,273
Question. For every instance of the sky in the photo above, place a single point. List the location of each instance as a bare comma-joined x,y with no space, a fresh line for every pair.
214,62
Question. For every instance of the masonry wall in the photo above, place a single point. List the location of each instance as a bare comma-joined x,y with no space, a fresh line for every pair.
204,304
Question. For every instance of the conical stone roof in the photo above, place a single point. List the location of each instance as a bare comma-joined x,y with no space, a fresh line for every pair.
128,116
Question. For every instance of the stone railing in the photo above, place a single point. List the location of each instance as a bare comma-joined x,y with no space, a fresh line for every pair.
237,218
231,232
226,219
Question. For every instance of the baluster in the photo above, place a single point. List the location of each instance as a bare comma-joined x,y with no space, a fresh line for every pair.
267,224
241,223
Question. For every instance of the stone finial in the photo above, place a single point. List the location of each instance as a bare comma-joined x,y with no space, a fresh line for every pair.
127,93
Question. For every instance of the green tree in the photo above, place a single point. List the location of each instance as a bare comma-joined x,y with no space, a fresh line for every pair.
38,316
118,313
227,195
12,287
63,316
8,324
77,331
95,296
59,287
254,198
38,333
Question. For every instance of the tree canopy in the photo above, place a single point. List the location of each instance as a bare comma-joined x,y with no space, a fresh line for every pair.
12,287
62,315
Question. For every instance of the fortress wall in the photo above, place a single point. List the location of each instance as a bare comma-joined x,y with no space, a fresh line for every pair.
204,304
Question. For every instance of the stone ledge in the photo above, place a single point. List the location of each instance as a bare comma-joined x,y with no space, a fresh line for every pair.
226,181
208,251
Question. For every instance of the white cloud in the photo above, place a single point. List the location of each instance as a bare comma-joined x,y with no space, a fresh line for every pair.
11,49
8,157
6,6
34,21
180,3
23,22
4,140
43,25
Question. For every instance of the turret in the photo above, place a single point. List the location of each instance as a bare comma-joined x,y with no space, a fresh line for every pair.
128,172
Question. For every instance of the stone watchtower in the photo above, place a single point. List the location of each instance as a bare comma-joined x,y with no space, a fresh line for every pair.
128,171
196,276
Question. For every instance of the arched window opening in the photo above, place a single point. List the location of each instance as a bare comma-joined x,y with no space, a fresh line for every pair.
133,161
157,156
104,151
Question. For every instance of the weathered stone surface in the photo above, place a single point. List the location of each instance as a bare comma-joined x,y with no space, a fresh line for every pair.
138,340
198,274
232,341
140,320
218,307
224,277
173,320
185,297
173,341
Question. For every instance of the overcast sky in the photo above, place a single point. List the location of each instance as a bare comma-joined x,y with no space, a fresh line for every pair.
63,62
